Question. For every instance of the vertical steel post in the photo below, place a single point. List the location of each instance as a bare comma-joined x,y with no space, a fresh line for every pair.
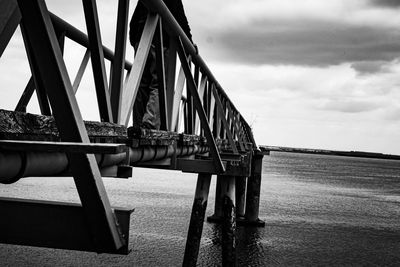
197,220
209,96
177,99
37,76
217,121
222,134
191,112
185,116
212,108
97,57
201,89
117,69
253,192
170,80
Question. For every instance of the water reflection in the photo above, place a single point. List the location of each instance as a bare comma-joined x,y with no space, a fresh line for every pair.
251,248
210,251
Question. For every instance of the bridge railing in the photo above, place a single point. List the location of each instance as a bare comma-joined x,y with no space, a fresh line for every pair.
208,107
204,109
206,103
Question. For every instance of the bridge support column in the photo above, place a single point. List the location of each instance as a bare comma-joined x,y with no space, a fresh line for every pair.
228,221
197,220
240,196
217,216
253,193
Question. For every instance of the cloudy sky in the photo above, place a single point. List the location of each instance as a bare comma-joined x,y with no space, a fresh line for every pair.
312,73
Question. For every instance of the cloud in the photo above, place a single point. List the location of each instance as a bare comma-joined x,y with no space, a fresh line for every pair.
350,106
305,42
313,33
370,67
386,3
393,114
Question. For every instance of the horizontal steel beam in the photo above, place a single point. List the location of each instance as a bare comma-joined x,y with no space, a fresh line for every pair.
207,166
54,225
226,157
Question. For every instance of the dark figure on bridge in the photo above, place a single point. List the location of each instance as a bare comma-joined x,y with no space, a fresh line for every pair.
146,111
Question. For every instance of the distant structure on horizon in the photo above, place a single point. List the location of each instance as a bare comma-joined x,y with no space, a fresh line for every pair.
359,154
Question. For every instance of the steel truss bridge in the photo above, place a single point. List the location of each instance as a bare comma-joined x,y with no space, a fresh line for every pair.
216,139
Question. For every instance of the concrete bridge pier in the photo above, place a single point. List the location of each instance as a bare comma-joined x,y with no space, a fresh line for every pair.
247,196
240,199
226,214
253,192
228,221
240,196
217,216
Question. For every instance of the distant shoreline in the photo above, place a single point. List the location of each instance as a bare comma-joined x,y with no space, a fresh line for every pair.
358,154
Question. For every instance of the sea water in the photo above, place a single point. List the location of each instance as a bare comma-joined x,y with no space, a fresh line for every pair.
319,210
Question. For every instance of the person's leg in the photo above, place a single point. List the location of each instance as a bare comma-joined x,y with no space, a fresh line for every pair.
139,107
151,118
147,107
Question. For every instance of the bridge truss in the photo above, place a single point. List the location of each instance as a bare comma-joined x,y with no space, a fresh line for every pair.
201,132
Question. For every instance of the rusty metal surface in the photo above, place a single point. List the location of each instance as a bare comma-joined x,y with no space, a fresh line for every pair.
26,126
